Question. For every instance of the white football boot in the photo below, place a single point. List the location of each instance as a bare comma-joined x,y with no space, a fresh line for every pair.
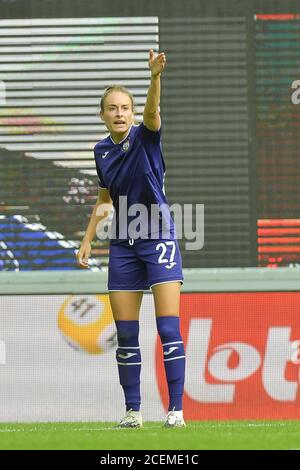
132,419
174,419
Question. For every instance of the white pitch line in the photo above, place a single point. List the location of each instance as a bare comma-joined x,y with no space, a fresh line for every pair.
74,429
237,425
201,427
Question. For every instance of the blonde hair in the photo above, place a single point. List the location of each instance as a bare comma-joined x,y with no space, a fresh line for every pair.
112,88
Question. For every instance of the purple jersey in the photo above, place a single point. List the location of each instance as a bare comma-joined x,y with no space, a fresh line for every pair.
135,168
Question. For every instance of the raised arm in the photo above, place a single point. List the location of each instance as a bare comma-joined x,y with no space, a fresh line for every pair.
151,115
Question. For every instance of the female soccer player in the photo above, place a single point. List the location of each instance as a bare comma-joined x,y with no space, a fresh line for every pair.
130,168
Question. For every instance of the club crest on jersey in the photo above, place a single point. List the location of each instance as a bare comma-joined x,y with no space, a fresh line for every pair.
125,146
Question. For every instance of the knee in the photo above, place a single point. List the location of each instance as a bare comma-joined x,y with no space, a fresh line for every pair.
127,332
168,328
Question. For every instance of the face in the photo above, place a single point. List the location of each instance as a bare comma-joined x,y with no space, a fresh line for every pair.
117,114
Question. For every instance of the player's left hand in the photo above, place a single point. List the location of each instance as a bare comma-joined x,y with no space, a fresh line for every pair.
156,64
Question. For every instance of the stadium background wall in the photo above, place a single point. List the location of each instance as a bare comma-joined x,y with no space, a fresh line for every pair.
239,326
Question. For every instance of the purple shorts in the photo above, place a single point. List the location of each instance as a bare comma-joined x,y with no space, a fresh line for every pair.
137,265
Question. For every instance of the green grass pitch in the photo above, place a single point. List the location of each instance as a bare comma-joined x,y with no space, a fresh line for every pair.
209,435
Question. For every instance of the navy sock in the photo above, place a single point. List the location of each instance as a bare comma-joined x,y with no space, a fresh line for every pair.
128,357
174,358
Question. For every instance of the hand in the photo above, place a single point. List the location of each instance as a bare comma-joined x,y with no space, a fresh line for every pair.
83,254
158,64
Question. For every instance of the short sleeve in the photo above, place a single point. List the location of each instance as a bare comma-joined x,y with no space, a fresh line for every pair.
101,183
148,135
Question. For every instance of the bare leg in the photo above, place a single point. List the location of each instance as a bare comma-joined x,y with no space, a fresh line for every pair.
167,299
125,305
